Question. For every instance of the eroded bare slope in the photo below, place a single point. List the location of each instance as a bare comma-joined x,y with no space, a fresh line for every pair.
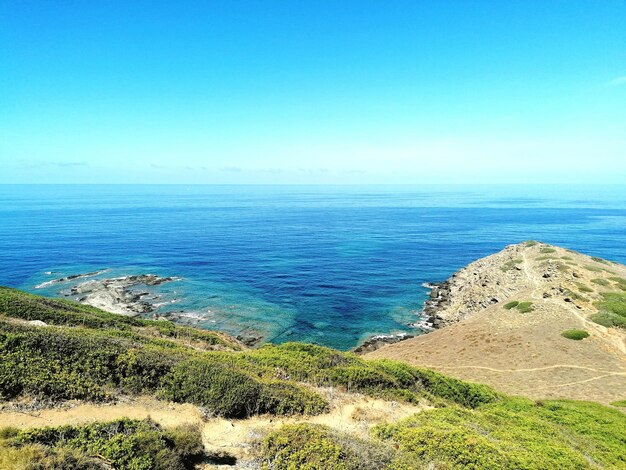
520,349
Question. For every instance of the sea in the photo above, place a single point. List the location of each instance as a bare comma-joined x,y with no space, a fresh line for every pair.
331,265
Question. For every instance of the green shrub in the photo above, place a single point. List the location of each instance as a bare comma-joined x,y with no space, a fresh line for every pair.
600,260
619,404
142,370
613,302
511,264
530,243
37,457
620,281
387,379
547,249
575,334
512,434
206,339
303,446
220,389
64,362
608,319
127,444
285,398
522,307
583,288
313,447
8,432
600,281
57,364
434,384
358,377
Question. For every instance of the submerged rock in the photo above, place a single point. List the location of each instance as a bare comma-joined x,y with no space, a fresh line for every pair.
71,277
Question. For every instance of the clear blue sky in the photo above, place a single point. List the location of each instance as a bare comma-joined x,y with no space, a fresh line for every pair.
312,92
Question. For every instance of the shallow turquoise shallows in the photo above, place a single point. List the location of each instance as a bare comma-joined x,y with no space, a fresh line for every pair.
324,264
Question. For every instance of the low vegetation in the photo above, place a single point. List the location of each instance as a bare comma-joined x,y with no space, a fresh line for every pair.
310,446
593,269
619,281
511,264
573,295
469,425
608,320
575,334
583,288
61,312
601,282
522,307
513,434
547,249
123,444
61,363
611,310
614,302
600,260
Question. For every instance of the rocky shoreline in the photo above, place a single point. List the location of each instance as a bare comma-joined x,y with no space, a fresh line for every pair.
378,341
438,299
120,295
125,296
426,323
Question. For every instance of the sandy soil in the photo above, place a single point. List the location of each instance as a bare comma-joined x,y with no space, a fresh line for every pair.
239,438
167,414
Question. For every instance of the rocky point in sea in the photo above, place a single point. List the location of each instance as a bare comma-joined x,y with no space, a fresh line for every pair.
126,295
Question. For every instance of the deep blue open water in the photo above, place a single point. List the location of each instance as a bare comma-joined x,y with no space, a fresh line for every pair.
324,264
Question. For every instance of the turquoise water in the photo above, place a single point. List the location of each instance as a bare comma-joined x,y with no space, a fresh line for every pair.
324,264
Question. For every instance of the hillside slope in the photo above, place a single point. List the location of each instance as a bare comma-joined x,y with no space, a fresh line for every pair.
502,321
83,388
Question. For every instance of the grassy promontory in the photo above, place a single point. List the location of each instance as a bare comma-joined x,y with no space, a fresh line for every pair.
54,350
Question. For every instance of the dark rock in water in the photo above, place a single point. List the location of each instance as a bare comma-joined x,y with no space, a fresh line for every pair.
249,340
71,277
439,298
378,341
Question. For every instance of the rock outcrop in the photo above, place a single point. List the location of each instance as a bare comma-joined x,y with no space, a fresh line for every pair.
119,295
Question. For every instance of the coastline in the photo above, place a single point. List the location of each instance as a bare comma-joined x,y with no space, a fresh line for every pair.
120,295
131,295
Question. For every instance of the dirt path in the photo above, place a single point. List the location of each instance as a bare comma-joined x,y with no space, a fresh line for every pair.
532,279
167,414
556,366
352,413
355,414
